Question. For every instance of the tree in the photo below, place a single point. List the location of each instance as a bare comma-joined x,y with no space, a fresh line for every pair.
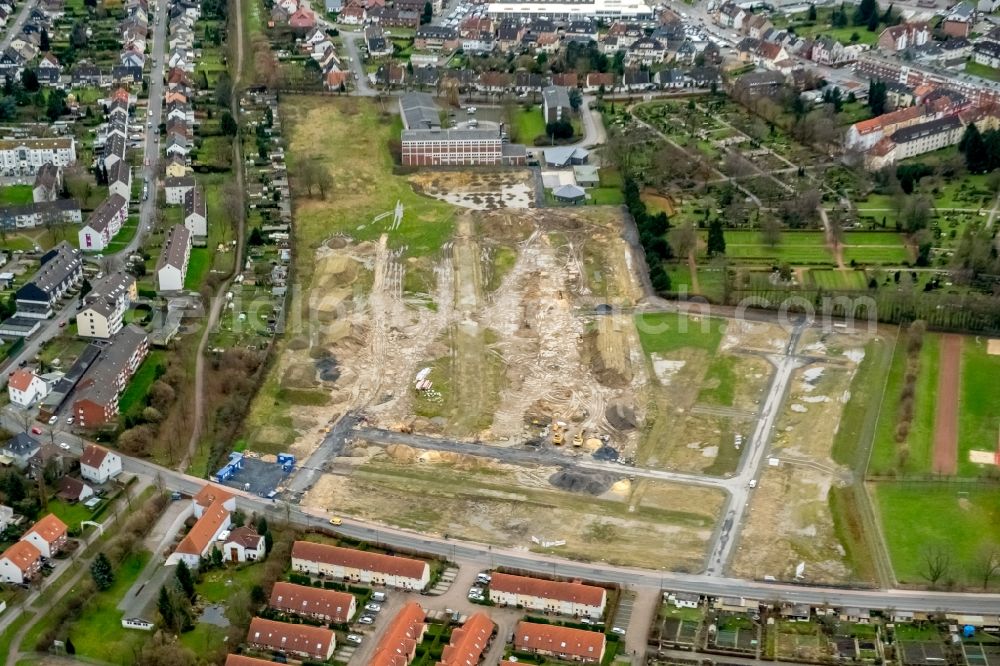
229,126
917,213
185,580
877,97
560,129
216,557
935,563
428,14
811,16
770,229
785,271
101,572
716,241
43,41
29,79
575,98
258,595
683,239
887,18
70,648
987,563
872,24
256,237
972,144
865,10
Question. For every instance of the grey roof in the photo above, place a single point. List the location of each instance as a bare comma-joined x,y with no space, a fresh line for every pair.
100,384
514,150
57,208
194,202
436,32
569,192
988,47
101,217
105,295
450,135
931,127
179,181
21,444
175,248
419,111
47,175
115,145
564,154
58,264
556,96
120,172
24,324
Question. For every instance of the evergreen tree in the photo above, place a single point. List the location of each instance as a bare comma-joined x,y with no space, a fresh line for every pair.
100,571
185,579
165,605
43,41
977,159
29,80
428,14
877,97
887,17
864,11
716,238
812,12
268,541
70,648
873,22
229,126
216,557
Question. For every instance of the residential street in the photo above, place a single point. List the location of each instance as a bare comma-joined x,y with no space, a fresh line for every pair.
14,27
363,87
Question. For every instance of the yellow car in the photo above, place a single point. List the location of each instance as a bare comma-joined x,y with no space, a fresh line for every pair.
336,521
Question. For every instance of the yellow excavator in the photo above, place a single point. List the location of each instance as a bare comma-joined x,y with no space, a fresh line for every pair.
578,438
557,433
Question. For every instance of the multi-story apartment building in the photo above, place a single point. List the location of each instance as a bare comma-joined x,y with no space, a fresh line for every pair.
24,157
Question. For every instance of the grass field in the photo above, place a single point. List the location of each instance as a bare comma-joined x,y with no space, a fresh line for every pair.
800,247
661,332
839,280
134,395
71,514
15,195
198,266
984,71
530,124
884,458
99,633
918,516
979,413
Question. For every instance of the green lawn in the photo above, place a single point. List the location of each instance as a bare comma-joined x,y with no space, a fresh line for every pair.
530,124
918,516
71,514
720,373
217,585
99,633
124,235
606,196
866,390
979,405
799,247
661,332
884,458
835,280
15,195
134,396
984,71
198,266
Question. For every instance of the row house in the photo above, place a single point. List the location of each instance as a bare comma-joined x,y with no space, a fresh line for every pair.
95,401
39,214
566,598
299,640
23,560
106,221
564,643
311,602
904,36
355,565
61,270
398,644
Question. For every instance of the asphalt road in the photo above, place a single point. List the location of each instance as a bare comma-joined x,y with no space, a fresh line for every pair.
51,327
489,557
362,86
14,28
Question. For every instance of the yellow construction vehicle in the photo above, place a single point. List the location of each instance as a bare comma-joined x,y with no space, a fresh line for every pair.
557,434
578,438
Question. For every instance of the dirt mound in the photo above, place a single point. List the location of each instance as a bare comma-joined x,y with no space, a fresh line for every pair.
621,415
300,376
328,369
591,354
606,453
298,343
577,481
336,243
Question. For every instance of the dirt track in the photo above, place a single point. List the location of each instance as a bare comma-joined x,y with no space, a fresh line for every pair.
946,418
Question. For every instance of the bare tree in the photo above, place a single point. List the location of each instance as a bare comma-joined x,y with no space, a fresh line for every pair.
770,230
935,563
986,566
683,239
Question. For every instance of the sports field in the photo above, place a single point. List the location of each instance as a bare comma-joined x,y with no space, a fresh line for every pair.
979,415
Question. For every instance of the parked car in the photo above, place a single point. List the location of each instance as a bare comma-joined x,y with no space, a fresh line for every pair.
374,608
52,421
35,430
618,630
354,638
378,596
336,521
366,619
69,420
64,446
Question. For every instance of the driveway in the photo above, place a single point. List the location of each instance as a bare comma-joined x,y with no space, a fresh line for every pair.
140,596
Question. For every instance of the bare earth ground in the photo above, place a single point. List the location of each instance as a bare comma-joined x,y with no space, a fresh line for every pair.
478,190
649,524
946,417
789,520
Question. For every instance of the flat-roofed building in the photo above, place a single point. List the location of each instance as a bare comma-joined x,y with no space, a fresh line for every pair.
24,157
